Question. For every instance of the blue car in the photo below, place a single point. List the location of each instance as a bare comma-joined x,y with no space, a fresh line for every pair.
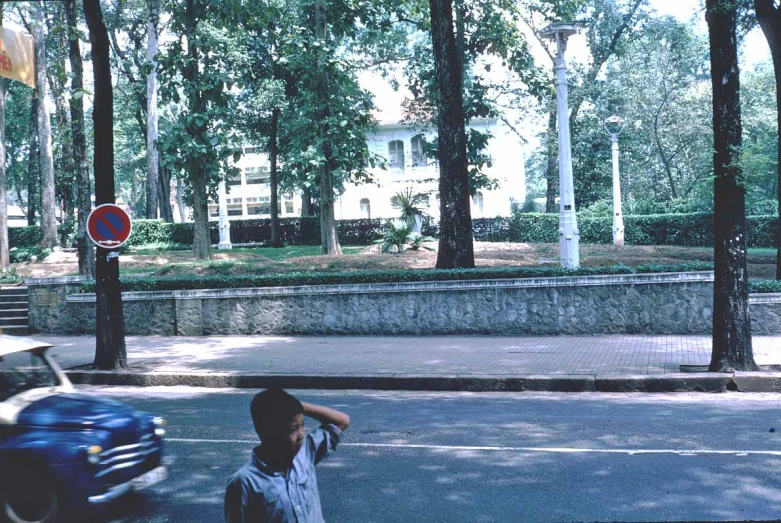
62,452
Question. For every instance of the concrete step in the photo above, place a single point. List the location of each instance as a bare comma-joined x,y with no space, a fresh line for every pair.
10,313
5,291
4,298
12,305
13,321
15,330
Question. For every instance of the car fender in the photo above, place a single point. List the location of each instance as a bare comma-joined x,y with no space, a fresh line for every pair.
50,447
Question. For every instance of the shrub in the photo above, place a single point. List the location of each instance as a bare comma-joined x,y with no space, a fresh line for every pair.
24,254
9,277
765,286
395,276
24,236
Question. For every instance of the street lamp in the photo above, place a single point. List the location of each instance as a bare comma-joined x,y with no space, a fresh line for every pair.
569,236
224,224
613,126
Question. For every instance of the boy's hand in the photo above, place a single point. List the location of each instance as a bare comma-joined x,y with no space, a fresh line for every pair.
326,415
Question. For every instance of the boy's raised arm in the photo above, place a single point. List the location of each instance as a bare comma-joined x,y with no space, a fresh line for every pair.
326,415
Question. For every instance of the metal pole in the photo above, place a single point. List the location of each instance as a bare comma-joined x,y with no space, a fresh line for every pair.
224,223
569,235
618,217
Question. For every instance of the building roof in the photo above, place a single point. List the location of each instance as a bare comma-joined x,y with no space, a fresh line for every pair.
12,344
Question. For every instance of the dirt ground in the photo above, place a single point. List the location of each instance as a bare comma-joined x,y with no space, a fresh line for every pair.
172,263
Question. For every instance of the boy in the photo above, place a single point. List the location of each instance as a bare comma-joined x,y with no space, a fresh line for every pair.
278,484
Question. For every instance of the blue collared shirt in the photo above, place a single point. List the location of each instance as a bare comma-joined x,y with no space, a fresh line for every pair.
257,494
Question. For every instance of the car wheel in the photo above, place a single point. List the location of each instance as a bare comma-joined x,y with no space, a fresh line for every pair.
31,496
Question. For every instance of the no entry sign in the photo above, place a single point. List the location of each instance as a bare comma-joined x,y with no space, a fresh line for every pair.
109,226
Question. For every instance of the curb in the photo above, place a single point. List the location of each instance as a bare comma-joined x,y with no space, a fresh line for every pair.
684,382
399,382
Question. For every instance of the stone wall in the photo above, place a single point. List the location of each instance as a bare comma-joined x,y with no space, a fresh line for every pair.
678,303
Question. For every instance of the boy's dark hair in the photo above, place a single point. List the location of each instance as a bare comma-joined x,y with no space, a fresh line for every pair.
272,407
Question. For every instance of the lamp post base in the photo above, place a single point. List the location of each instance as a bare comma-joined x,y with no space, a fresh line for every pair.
569,240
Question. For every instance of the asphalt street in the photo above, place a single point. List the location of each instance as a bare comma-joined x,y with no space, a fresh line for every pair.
523,457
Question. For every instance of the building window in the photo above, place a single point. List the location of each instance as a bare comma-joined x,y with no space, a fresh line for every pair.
234,206
259,205
214,211
235,180
478,199
418,156
256,175
251,150
366,209
396,154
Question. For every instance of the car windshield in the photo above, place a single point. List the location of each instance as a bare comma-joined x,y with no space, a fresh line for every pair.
21,371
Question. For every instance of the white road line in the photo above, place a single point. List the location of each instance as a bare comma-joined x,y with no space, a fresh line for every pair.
555,450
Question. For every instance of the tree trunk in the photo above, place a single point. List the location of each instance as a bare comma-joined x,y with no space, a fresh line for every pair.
769,18
48,205
306,202
4,256
65,170
152,164
276,240
731,322
329,238
64,180
551,170
110,351
33,164
201,239
455,241
164,194
83,244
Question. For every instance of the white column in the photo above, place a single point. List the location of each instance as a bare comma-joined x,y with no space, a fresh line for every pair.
569,236
618,217
224,223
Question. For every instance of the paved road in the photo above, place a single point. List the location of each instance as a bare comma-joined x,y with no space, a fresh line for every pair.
441,457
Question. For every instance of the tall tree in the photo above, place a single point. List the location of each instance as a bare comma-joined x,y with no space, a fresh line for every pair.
48,205
64,165
200,143
328,233
110,350
769,18
86,251
4,255
326,113
152,161
732,348
33,164
455,240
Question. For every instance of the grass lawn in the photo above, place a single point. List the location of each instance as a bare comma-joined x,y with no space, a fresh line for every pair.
302,259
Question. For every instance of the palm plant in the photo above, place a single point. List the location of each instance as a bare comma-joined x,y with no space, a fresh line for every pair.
410,205
396,235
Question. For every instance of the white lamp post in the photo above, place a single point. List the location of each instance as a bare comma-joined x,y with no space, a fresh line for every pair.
569,236
613,126
224,223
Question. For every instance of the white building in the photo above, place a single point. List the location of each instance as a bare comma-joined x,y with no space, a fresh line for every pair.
249,194
408,167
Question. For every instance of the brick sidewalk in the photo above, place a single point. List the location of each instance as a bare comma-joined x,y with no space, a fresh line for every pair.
414,356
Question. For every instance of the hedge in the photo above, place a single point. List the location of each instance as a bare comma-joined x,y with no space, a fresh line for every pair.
764,286
692,230
393,276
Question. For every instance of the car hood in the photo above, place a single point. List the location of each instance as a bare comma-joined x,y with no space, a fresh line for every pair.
79,411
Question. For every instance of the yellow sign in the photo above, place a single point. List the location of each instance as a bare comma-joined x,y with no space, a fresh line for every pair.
17,60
